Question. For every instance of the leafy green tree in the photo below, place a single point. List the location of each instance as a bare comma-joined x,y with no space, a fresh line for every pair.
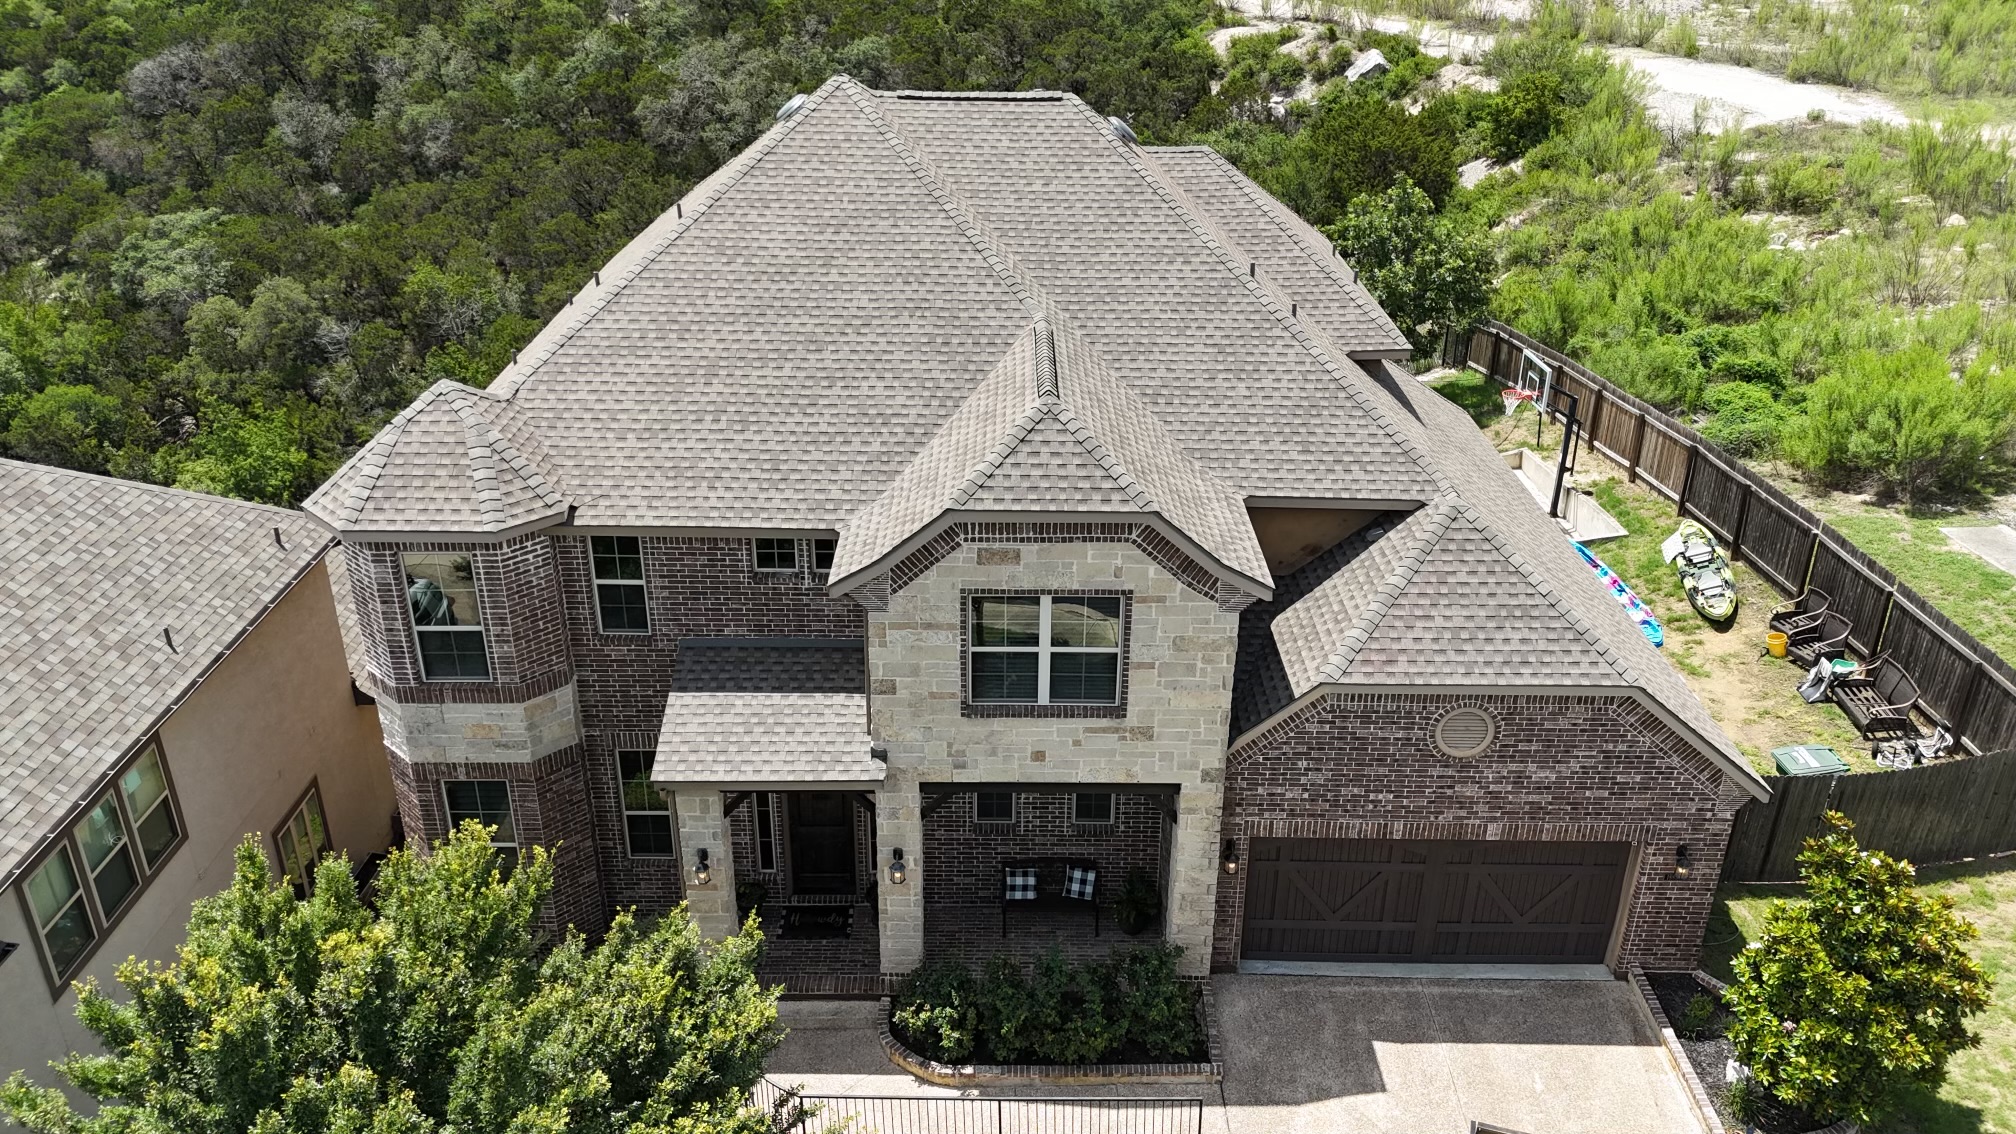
1429,271
1358,143
73,426
250,454
436,1012
1859,991
1900,421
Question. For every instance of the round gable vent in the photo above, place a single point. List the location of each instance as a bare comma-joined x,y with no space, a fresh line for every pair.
1464,732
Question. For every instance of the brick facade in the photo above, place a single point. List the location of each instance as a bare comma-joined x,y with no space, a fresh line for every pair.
1594,769
965,855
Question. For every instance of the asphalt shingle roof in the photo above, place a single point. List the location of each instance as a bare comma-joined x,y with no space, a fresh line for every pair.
94,571
770,665
765,738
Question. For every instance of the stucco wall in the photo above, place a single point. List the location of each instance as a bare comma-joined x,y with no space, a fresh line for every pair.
274,715
1179,682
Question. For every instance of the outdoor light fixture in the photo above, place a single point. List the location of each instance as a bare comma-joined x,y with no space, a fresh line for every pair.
701,875
1682,865
898,873
1230,859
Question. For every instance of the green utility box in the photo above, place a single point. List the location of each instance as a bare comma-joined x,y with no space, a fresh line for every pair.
1807,760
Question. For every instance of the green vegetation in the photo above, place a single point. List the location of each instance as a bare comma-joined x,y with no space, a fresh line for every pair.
1430,272
1978,1095
441,1009
1128,1008
1965,587
1860,991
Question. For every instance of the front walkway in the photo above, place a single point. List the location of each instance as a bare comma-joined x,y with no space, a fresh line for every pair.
1311,1055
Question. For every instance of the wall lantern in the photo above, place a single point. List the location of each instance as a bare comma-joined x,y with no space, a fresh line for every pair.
1682,864
701,874
1230,858
898,872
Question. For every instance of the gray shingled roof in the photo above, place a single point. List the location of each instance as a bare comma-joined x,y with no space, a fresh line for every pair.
770,665
750,739
95,569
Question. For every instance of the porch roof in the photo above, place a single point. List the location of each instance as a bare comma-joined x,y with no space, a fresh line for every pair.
743,740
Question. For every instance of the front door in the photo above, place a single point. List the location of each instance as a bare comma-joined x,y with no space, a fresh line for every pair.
822,842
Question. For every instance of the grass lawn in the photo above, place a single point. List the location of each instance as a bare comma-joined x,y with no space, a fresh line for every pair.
1979,1094
1967,588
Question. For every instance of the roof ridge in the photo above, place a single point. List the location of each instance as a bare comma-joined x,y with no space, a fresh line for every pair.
481,441
521,370
534,474
369,461
963,218
1367,623
1291,323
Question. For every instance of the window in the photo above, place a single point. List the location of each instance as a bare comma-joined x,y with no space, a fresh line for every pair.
776,555
61,917
97,870
994,807
1093,807
1045,649
822,554
108,855
489,803
647,816
447,619
302,841
618,563
766,831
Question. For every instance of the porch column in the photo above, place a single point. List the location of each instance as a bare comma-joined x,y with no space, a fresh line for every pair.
702,823
1191,902
899,822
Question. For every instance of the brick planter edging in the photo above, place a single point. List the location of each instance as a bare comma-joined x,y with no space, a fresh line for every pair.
1695,1091
1020,1074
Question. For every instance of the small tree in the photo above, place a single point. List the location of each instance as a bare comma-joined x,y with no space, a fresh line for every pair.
437,1012
1428,271
1857,992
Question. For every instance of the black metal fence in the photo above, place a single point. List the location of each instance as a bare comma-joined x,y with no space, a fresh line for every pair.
965,1114
1962,684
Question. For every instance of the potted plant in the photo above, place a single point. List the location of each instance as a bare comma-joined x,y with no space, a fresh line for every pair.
1140,906
748,895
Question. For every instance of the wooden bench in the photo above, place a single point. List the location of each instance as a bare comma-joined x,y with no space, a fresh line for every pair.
1050,887
1824,637
1878,699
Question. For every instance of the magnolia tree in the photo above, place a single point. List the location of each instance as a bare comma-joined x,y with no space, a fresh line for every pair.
440,1011
1859,991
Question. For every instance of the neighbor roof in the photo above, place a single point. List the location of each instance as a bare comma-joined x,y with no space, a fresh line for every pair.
96,570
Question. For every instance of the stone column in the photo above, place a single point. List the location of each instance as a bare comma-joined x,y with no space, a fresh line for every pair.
1193,876
899,822
702,824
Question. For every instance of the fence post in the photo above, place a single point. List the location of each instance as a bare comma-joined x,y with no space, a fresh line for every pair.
1637,449
1686,479
1742,518
1965,703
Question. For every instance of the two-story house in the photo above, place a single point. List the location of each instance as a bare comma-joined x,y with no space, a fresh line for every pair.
949,481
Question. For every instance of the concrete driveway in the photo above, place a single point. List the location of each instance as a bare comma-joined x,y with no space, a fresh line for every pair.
1325,1055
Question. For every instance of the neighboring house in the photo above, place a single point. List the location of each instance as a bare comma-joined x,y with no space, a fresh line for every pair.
171,678
950,480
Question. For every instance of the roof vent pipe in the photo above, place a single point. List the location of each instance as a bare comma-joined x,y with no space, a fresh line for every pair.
1125,131
796,104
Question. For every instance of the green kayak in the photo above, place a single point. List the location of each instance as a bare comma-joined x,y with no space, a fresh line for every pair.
1704,571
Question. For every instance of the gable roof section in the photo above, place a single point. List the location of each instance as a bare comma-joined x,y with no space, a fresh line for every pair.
95,570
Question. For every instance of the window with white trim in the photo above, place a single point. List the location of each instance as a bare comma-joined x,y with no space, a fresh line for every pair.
1044,649
101,863
447,617
1092,807
773,554
822,554
488,802
766,831
647,815
618,566
301,842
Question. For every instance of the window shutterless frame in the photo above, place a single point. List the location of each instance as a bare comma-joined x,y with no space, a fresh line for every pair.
1091,807
617,566
768,553
445,610
1044,649
489,803
647,814
302,839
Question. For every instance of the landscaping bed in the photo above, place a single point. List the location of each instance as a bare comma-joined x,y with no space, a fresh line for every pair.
1695,1011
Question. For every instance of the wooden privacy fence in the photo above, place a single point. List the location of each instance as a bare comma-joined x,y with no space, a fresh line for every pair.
1928,814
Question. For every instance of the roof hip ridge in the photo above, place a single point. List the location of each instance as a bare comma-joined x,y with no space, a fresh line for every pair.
1290,322
1411,561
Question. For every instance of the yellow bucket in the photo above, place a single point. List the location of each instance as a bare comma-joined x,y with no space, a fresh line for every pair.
1774,643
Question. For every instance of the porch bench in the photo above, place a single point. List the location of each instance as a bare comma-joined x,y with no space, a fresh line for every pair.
1878,699
1050,891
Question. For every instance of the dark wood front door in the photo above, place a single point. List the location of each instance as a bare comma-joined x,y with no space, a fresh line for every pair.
822,843
1393,900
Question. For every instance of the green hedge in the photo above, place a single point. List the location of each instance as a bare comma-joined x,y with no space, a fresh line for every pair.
1130,1007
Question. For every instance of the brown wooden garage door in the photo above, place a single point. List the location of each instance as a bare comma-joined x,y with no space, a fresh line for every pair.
1387,900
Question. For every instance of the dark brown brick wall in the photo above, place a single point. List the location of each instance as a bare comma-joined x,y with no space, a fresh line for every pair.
1568,768
742,842
962,858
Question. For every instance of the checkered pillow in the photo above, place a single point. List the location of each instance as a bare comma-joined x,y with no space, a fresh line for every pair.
1078,882
1021,885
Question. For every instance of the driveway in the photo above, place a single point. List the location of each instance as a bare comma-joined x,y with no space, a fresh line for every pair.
1327,1055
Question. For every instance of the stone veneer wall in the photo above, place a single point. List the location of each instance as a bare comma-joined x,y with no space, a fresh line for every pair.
965,855
1590,768
1179,677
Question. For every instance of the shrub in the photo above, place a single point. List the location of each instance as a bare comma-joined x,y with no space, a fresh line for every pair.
1795,186
937,1010
1747,418
1058,1012
1695,1019
1901,421
1157,1011
1858,992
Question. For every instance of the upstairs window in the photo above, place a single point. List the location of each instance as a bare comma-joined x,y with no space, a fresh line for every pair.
776,554
618,563
302,841
488,802
822,554
647,815
108,855
62,917
145,789
1044,649
447,617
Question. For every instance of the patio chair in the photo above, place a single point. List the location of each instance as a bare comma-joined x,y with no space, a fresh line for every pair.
1825,637
1878,699
1790,617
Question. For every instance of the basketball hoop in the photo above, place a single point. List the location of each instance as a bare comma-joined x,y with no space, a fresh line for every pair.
1513,396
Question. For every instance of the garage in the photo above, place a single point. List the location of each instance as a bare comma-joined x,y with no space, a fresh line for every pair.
1389,900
